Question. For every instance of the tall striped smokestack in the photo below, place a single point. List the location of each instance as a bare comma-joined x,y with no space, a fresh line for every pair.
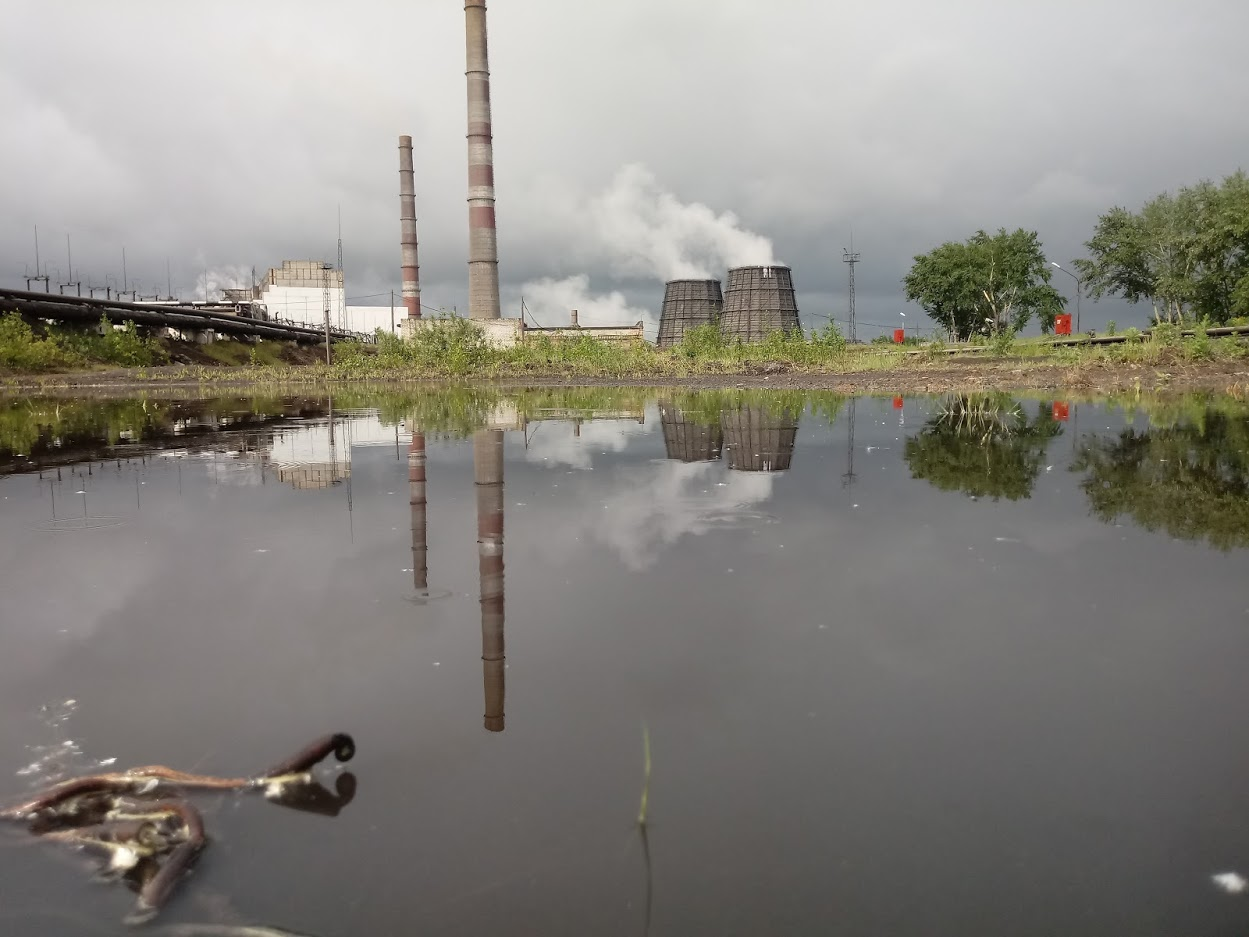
488,476
416,500
483,246
407,237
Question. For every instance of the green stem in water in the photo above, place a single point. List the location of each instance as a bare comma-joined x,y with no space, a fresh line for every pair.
646,776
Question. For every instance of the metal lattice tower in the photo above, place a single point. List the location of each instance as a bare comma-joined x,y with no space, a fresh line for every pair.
851,257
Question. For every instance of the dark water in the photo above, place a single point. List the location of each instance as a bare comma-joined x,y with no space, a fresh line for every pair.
984,672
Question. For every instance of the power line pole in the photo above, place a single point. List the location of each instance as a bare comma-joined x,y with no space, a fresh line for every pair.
392,312
47,282
325,296
851,258
342,312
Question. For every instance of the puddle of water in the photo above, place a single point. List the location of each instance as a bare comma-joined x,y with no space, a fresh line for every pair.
969,665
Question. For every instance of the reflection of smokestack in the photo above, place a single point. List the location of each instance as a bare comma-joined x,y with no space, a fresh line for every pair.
416,498
407,237
488,475
483,248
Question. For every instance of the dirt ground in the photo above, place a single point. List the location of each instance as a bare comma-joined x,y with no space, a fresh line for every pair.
956,375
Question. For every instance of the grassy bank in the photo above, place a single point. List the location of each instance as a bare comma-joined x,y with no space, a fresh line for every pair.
458,351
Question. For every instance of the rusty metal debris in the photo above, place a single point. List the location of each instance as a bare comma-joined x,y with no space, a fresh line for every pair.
147,835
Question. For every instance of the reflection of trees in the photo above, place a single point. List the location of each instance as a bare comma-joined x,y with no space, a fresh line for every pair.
982,444
1189,479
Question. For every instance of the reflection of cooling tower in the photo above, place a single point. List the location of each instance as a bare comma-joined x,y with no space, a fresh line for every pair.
758,301
416,498
758,439
488,475
688,440
688,304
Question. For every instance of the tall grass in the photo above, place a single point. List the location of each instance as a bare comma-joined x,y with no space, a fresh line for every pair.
60,348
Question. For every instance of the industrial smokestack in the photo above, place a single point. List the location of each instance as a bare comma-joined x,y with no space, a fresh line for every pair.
488,476
483,246
407,237
416,500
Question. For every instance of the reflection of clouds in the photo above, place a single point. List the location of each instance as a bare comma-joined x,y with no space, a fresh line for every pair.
653,506
554,442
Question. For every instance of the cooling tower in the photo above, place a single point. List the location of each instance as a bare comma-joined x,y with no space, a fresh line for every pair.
758,301
688,304
759,439
688,439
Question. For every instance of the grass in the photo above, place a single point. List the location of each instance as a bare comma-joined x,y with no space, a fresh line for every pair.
58,348
459,350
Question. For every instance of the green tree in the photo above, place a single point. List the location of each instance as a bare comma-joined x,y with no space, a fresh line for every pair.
1187,254
989,283
1189,479
983,445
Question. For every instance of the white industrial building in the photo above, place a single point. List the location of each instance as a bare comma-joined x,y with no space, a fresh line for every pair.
296,292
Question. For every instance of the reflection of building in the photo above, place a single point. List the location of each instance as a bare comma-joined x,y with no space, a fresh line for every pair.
488,476
759,439
689,440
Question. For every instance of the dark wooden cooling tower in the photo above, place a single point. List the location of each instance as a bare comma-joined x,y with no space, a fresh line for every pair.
759,301
688,304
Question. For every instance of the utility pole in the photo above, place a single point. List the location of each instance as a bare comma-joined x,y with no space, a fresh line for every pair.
392,312
325,296
47,283
168,281
123,269
342,312
851,258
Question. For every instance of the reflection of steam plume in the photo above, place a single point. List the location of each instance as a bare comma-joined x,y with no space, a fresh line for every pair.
488,475
416,498
687,439
758,439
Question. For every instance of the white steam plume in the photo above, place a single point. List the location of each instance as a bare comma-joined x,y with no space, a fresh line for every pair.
644,230
234,276
549,301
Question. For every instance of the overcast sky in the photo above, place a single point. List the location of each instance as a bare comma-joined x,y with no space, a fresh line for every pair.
227,134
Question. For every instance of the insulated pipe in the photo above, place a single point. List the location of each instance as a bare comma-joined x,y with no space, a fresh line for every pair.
407,236
488,478
483,248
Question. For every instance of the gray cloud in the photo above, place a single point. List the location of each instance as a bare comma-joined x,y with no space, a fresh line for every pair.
224,135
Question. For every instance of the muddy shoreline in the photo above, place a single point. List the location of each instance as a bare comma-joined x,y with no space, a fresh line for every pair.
967,375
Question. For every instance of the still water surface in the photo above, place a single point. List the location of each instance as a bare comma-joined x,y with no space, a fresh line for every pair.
922,666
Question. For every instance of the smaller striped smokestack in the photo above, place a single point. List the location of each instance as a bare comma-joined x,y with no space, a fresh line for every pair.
407,237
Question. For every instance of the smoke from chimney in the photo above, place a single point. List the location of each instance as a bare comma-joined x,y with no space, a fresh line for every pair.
483,248
407,237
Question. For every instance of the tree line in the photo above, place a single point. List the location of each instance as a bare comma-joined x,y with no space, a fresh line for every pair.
1186,254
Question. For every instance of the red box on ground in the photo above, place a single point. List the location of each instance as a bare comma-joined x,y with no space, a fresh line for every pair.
1062,324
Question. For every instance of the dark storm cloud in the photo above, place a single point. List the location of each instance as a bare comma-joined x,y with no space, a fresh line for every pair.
227,134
